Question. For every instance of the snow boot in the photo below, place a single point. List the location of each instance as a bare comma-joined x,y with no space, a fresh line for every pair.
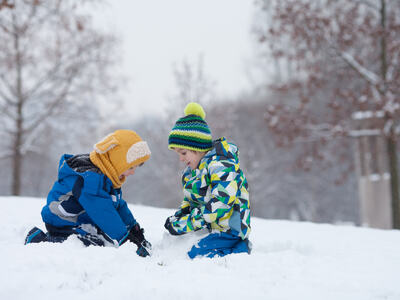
35,235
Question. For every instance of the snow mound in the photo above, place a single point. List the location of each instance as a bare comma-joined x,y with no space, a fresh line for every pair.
290,260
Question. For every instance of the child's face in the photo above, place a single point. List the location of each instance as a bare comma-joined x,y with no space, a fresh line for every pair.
129,172
189,157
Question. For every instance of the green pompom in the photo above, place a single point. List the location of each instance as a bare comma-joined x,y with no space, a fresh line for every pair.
195,109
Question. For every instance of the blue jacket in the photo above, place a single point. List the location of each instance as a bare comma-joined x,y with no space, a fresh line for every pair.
87,197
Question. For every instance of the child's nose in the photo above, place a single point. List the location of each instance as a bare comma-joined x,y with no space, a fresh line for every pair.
131,172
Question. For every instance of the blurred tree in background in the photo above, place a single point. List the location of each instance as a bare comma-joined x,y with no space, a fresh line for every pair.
335,58
54,70
67,59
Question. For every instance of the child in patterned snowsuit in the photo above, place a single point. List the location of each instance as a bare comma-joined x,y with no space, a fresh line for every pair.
215,189
86,199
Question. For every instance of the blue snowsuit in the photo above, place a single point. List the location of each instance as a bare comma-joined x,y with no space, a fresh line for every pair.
82,197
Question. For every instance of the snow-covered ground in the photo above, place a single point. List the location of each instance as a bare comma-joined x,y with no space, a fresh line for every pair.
290,260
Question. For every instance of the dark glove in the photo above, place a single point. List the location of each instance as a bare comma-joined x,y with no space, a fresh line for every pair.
136,236
142,251
171,229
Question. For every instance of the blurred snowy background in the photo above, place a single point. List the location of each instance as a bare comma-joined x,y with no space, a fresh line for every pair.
281,79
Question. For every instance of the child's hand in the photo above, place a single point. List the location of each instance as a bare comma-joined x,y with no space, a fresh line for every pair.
136,236
168,226
142,251
145,249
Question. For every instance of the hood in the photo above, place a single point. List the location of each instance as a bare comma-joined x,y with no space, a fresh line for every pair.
223,149
75,164
64,169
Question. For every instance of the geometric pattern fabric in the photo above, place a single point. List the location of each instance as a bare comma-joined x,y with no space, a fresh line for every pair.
215,194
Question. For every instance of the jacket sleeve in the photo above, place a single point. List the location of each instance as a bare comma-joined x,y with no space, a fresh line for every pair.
99,206
184,209
189,222
186,219
126,214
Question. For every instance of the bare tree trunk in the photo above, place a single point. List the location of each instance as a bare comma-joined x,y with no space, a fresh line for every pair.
394,180
391,140
17,156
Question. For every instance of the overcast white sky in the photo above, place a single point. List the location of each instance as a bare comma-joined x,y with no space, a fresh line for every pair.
156,34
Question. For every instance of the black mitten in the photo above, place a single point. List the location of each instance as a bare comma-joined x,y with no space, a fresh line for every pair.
142,251
136,236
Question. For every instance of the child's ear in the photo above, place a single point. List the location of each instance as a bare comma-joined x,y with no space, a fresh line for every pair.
106,144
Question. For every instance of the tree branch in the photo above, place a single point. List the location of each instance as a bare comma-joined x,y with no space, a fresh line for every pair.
370,76
50,109
9,89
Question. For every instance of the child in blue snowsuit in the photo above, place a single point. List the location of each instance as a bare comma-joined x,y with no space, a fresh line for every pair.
86,199
215,189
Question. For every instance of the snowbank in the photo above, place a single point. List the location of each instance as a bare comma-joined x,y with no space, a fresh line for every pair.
290,260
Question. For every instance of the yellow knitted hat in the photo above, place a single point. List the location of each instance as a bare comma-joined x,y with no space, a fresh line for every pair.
118,152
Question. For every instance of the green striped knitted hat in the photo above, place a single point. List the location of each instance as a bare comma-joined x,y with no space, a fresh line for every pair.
191,132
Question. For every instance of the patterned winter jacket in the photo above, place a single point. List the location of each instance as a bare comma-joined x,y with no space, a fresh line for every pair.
84,195
215,194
